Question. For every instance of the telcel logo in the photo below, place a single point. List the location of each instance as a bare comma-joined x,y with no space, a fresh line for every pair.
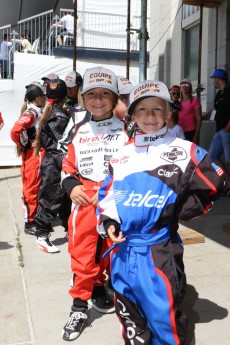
148,200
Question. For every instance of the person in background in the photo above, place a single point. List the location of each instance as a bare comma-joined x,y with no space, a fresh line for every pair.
23,134
124,89
74,106
48,77
73,82
173,117
121,109
174,129
52,200
220,144
4,56
190,115
84,169
26,45
1,121
151,185
68,22
175,96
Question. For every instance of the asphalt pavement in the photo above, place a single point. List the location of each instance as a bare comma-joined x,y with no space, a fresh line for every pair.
35,304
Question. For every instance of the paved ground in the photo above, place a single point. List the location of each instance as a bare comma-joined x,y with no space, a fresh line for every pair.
35,304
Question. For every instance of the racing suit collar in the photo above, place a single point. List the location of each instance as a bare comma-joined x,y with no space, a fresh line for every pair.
102,123
36,108
143,139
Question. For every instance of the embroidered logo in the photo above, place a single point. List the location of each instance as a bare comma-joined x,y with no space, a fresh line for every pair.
174,154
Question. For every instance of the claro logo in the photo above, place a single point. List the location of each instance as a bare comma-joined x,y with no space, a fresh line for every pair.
130,328
147,200
165,173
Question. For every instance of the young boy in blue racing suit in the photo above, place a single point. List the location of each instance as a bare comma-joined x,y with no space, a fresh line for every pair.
152,184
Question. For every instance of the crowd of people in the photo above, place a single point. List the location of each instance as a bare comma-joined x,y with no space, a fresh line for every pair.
120,165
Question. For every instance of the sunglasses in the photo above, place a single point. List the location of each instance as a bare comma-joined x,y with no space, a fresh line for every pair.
185,85
175,93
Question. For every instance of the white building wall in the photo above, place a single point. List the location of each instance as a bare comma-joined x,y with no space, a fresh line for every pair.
167,43
167,48
176,43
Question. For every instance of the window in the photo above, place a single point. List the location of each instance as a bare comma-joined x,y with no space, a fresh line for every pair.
191,52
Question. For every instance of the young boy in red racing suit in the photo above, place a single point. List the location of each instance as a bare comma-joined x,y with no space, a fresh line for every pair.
23,134
139,208
84,169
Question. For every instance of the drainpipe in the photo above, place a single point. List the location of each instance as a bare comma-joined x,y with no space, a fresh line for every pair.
216,40
128,40
143,36
75,35
199,88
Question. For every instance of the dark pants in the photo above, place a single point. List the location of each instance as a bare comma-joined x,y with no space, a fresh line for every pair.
189,135
4,68
52,200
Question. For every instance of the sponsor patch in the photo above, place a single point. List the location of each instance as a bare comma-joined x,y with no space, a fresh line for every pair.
86,159
166,173
104,124
219,171
174,154
87,171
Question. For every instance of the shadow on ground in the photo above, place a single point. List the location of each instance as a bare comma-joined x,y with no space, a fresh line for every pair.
199,310
5,245
9,177
211,224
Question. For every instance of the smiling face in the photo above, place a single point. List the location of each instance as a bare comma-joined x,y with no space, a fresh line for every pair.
100,102
150,114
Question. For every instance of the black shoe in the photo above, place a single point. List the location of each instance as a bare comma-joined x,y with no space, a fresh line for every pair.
74,325
30,228
110,289
102,304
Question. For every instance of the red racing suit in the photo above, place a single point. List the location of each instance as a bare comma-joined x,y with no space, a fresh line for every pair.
86,163
23,134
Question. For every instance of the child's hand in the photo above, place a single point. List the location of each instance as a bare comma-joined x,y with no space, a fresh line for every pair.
94,199
78,196
114,236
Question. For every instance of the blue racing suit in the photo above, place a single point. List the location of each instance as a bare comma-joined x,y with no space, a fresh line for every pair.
151,184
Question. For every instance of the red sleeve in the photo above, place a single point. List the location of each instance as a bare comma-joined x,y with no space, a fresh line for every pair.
24,122
1,119
69,161
69,170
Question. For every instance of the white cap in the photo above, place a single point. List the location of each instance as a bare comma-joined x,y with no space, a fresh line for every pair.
99,77
73,79
148,88
50,76
124,85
